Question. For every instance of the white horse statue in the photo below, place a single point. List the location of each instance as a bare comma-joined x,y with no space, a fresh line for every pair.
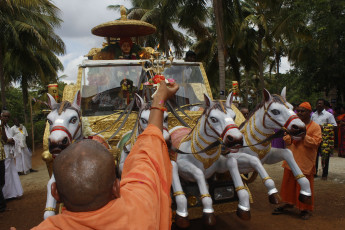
128,139
273,113
65,127
215,124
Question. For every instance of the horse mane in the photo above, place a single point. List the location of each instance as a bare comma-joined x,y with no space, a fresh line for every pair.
217,105
275,98
61,107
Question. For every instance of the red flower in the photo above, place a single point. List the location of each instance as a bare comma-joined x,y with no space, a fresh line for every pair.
158,78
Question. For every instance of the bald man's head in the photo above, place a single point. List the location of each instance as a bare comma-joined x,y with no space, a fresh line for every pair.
85,176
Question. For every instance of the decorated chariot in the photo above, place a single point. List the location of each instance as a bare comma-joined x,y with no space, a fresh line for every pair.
107,100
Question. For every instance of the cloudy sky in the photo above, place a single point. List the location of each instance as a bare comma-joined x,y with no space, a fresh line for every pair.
79,17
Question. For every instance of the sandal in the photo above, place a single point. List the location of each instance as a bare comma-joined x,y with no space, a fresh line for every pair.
305,215
279,210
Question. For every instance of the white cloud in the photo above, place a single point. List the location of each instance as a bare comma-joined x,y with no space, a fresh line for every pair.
79,17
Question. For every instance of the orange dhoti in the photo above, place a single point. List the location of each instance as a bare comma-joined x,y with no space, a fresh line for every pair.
290,189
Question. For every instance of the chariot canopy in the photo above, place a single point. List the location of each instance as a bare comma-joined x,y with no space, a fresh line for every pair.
123,27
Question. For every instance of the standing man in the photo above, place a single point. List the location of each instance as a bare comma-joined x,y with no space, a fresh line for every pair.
3,139
304,152
23,154
13,188
322,117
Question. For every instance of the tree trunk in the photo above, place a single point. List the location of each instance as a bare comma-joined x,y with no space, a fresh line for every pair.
261,64
261,35
2,80
246,94
25,93
166,44
218,11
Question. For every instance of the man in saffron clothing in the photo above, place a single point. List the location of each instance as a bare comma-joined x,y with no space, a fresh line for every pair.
304,152
95,199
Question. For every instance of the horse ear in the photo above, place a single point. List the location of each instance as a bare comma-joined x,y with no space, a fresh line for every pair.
208,100
138,100
267,95
283,93
77,100
229,100
51,101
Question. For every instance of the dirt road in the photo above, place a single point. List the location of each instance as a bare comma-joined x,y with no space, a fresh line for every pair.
329,213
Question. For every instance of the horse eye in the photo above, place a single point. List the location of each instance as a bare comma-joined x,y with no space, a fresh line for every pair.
50,122
73,120
275,111
166,120
144,121
214,120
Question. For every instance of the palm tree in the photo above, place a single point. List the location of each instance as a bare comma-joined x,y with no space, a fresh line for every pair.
34,57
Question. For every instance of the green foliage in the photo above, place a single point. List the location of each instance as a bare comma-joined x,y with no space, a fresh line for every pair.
15,103
39,127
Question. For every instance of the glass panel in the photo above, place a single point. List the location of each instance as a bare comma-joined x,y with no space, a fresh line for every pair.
108,88
192,86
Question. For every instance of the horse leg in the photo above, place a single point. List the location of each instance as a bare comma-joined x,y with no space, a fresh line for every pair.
189,170
243,209
286,154
51,202
181,218
248,163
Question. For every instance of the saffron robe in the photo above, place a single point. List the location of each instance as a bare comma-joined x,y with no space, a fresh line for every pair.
145,201
304,152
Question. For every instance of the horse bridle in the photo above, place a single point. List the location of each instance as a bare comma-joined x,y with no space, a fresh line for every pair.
287,123
63,129
226,129
213,144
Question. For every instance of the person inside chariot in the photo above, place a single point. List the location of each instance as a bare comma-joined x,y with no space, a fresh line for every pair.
95,199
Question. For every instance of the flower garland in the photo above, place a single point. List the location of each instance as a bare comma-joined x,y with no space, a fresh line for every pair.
327,144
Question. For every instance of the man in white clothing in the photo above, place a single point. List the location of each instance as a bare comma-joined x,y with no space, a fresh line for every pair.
23,154
13,188
322,117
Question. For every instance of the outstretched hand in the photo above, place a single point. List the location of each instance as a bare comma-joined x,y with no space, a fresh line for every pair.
165,92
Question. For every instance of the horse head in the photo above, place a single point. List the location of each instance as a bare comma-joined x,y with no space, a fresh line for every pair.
144,113
279,114
65,123
220,122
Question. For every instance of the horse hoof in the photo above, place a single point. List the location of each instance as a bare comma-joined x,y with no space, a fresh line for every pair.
305,199
182,222
274,198
209,219
243,215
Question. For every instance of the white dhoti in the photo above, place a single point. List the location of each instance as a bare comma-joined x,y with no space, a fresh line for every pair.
23,160
23,154
13,187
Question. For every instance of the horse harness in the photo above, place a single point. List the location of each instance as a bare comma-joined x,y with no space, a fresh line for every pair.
211,148
62,128
262,152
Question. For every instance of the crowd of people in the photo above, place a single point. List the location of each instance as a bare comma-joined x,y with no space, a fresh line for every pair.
15,159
